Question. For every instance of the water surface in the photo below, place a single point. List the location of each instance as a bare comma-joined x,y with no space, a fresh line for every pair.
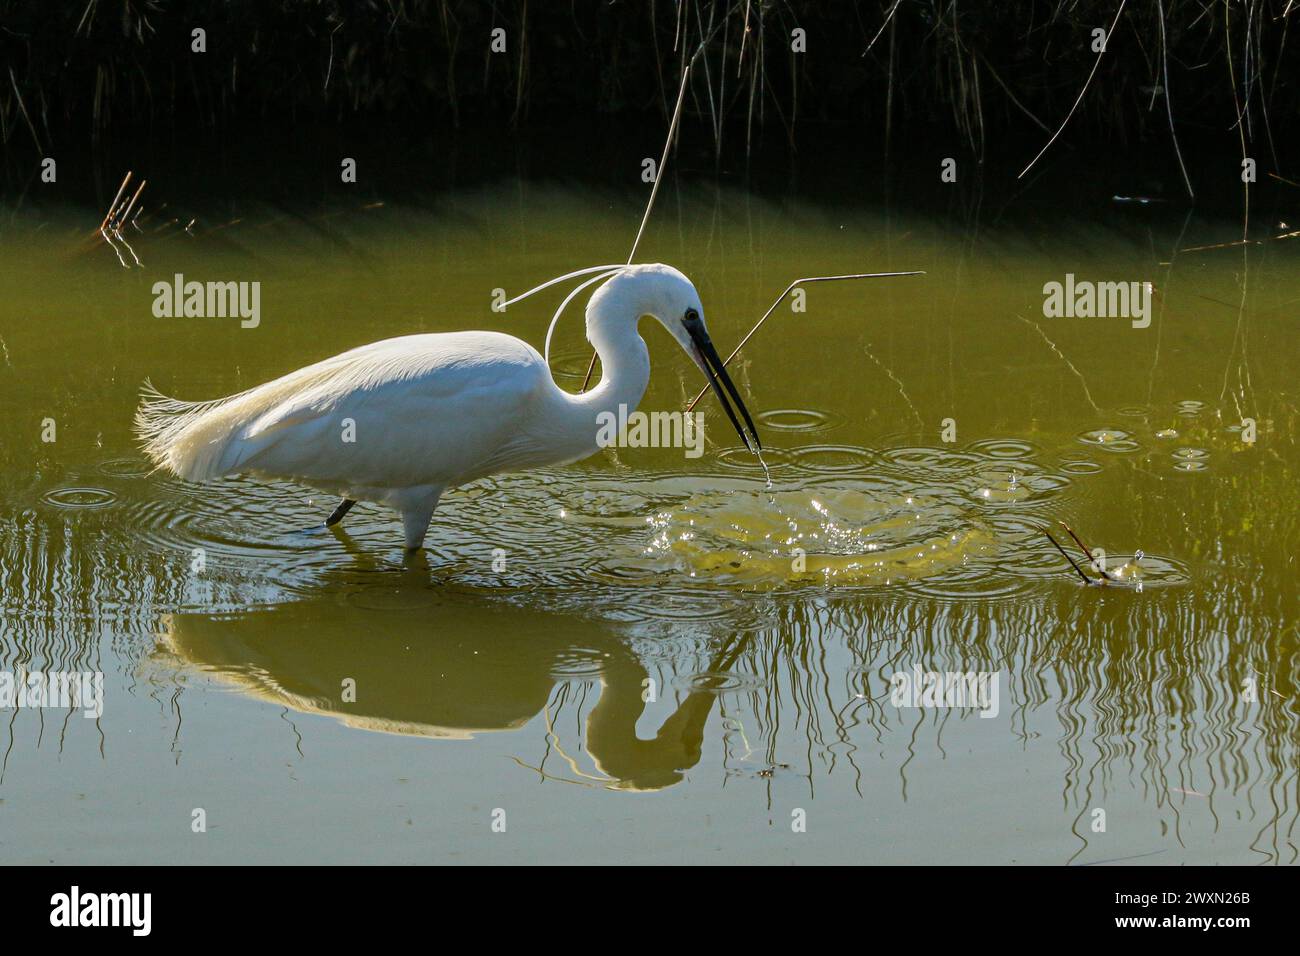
921,432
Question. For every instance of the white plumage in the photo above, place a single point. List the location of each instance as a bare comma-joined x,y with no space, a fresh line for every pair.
430,412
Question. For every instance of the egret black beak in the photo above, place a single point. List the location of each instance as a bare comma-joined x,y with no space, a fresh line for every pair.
707,358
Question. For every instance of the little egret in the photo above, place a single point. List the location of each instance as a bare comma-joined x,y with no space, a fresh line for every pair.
400,421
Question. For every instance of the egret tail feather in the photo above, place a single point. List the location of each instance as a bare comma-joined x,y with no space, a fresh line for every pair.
183,437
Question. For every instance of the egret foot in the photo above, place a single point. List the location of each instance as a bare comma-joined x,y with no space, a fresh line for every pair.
344,507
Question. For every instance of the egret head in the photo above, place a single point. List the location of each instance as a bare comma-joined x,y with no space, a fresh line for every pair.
666,294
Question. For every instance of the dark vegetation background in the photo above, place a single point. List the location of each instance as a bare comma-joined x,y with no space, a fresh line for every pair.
1181,79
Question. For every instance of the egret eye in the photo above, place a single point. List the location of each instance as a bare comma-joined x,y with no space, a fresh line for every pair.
691,316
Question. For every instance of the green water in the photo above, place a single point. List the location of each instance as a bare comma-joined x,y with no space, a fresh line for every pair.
920,433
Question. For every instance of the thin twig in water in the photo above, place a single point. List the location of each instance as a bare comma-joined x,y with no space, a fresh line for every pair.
663,159
113,205
1169,107
1243,109
744,37
889,16
898,382
779,299
1086,550
329,68
1223,245
1079,100
113,246
1160,318
121,219
1069,364
1065,554
654,190
1006,89
108,225
116,217
22,107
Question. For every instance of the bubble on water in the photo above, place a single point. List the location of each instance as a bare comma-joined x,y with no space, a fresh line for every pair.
1006,491
1141,570
1110,439
1012,486
1191,459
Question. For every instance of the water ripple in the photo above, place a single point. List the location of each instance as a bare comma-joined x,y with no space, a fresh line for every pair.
798,420
1112,440
79,498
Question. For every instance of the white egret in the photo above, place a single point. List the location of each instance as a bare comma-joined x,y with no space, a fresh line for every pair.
430,412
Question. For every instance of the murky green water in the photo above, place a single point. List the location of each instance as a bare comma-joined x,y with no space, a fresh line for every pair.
921,432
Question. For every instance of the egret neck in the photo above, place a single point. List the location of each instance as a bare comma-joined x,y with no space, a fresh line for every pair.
612,329
624,365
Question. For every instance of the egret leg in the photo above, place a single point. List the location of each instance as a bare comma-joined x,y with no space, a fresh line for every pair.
415,524
417,511
344,507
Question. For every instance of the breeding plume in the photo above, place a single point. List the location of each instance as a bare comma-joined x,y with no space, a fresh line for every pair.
429,412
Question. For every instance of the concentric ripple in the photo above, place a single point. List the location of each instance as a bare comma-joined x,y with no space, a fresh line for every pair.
1133,411
1191,459
79,498
740,459
1004,448
1080,466
716,682
1111,440
797,420
818,459
124,468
